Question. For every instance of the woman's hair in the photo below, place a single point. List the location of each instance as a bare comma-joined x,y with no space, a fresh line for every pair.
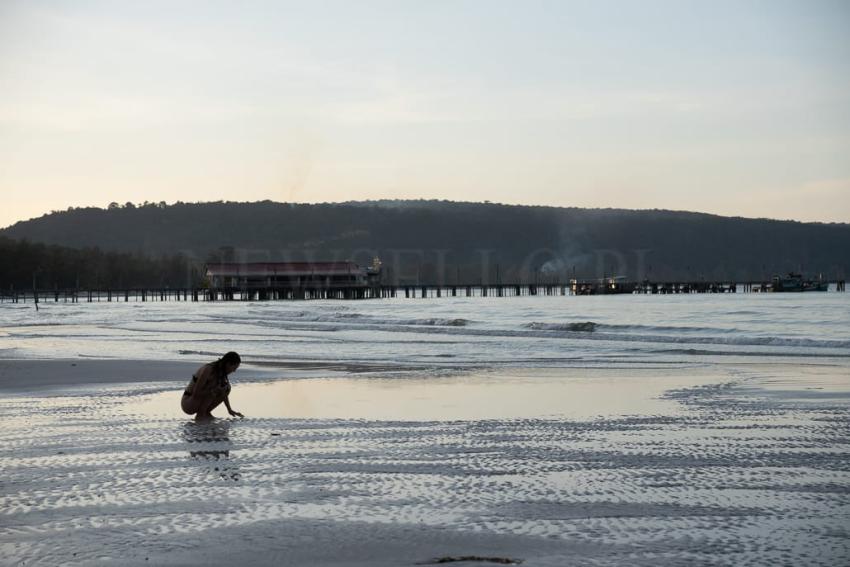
231,358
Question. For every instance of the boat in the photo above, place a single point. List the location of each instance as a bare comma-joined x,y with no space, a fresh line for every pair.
796,283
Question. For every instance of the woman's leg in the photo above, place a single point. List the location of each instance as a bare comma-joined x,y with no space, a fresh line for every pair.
201,405
189,404
214,403
208,404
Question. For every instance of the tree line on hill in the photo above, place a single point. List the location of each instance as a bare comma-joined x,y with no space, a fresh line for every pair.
435,241
48,267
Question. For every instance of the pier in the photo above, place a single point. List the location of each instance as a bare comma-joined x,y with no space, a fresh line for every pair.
418,291
407,291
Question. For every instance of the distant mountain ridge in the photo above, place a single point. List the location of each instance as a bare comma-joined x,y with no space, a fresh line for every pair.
460,241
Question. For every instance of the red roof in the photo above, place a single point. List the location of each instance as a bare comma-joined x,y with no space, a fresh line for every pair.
263,269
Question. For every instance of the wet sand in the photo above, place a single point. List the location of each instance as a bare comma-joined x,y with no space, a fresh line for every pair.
472,396
745,466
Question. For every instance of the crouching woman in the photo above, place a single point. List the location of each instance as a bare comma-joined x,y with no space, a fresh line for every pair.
210,387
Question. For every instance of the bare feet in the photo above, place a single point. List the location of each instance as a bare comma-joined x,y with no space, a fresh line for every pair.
202,417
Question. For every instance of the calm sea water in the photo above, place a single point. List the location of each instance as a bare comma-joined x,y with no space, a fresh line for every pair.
444,333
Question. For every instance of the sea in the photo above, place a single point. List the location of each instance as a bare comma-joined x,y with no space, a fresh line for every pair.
438,335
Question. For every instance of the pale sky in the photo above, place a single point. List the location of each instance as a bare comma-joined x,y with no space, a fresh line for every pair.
736,108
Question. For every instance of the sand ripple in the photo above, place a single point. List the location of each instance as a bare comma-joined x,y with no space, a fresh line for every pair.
734,481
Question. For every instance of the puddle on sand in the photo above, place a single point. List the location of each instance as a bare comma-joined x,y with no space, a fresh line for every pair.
535,394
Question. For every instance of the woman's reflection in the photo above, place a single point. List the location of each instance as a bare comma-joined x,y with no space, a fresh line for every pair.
210,444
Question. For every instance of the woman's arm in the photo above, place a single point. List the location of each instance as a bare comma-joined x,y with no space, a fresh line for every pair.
230,409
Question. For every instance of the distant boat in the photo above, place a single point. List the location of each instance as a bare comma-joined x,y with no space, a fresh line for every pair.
795,282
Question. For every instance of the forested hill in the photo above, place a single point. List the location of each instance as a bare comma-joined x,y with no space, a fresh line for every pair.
430,240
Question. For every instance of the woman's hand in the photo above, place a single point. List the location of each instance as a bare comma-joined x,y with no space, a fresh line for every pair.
230,410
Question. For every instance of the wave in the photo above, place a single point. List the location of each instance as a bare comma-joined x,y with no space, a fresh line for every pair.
32,325
668,328
353,320
737,340
576,330
584,327
591,326
706,352
435,322
652,334
587,330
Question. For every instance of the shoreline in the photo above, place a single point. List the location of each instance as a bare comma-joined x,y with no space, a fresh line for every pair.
22,375
42,374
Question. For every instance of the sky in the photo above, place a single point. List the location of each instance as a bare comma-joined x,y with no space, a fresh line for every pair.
729,107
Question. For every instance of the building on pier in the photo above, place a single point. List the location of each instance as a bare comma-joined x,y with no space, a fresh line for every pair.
603,286
293,275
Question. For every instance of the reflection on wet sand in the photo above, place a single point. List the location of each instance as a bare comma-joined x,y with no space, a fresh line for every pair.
516,394
211,446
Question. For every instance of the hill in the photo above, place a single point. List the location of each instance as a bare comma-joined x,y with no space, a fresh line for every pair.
433,240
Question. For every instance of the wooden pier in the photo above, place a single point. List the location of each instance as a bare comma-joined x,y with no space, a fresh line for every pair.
410,291
273,294
613,286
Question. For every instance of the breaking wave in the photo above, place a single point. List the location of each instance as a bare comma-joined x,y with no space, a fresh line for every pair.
435,322
583,327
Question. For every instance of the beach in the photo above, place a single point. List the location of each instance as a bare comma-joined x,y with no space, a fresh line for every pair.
400,433
398,284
